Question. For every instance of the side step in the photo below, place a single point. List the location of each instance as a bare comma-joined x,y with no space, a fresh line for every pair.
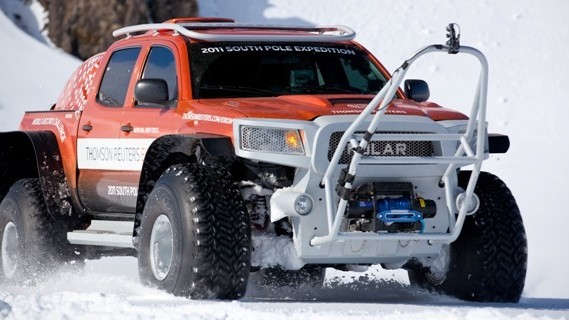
104,233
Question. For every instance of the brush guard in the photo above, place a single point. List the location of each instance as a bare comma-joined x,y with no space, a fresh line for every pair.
463,156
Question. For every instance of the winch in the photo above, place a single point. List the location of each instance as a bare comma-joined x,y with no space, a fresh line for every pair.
388,207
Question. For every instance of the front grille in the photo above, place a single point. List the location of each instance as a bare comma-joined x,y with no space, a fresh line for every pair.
384,148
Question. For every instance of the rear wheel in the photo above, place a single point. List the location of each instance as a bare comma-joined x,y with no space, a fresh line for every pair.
195,238
32,243
488,261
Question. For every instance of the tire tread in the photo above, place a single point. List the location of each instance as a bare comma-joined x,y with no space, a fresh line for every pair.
489,258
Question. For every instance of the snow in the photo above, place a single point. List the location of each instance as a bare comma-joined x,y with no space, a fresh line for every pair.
99,292
270,251
109,289
32,73
30,18
525,43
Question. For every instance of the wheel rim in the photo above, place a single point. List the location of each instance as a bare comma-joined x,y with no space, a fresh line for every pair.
9,250
161,247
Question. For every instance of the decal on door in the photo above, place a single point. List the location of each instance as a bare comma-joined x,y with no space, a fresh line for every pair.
130,191
112,154
206,117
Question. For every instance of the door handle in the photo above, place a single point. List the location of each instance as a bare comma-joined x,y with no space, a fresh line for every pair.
127,128
87,127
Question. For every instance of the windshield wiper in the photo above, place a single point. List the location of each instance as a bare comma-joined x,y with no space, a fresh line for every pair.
241,89
323,89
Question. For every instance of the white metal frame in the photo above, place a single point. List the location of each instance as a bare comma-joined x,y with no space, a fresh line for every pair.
463,156
336,33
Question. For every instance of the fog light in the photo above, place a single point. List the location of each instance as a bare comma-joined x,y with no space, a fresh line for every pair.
473,206
303,204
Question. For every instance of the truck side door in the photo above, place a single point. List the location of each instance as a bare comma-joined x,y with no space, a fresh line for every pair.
100,156
146,122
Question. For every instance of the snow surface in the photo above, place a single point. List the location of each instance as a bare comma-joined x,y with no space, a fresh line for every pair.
524,42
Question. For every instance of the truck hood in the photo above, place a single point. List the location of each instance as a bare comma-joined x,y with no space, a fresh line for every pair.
309,107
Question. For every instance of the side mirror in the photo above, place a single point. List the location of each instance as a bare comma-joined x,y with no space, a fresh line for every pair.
417,90
154,91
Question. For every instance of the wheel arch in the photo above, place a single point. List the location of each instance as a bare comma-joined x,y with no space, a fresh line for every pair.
35,154
169,150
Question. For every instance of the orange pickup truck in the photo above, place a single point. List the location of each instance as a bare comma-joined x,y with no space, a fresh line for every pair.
211,149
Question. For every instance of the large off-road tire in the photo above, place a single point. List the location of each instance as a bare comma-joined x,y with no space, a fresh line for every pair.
488,261
195,237
32,244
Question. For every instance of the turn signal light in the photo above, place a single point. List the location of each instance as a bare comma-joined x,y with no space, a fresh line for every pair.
293,139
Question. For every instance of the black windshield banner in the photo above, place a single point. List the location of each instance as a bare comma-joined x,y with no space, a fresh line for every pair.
277,48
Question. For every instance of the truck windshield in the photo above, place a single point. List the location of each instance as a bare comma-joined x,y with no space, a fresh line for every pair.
234,70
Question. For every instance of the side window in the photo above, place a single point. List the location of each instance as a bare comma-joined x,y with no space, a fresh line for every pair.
114,85
162,65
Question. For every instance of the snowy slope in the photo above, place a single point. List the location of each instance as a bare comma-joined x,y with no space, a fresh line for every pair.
31,74
524,43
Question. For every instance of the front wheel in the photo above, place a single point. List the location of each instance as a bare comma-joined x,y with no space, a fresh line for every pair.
488,261
195,238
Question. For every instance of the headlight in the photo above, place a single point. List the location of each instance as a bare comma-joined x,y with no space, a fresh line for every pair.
272,140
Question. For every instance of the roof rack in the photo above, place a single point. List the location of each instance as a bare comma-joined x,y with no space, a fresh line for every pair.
336,33
198,19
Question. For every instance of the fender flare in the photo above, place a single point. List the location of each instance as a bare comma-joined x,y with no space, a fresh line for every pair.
174,149
35,154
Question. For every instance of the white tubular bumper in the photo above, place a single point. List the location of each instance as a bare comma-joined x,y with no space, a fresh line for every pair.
319,236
